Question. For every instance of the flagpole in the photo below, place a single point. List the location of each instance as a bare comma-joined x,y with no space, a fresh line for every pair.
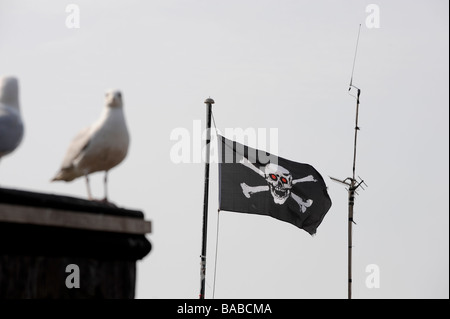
209,102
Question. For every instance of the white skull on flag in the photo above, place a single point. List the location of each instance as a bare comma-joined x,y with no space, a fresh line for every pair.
279,180
279,183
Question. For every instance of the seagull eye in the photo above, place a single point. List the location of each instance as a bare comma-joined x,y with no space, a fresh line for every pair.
273,177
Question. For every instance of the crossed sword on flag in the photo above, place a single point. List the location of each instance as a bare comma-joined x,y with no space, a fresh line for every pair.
249,190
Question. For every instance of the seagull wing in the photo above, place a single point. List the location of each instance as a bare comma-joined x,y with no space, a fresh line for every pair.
78,145
11,132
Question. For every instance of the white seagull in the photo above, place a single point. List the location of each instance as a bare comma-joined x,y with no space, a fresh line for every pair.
11,125
99,147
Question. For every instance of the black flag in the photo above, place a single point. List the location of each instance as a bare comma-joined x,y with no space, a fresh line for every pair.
256,182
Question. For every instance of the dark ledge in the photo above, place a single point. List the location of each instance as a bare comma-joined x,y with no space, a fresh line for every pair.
26,198
36,224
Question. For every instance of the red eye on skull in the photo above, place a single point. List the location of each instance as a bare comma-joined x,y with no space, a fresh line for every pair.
284,180
273,176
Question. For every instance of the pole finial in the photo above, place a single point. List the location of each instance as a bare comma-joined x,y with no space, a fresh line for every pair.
209,101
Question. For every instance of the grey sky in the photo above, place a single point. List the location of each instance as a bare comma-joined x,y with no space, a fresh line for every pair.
267,64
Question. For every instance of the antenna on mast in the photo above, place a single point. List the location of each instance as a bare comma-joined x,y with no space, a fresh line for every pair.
351,182
354,61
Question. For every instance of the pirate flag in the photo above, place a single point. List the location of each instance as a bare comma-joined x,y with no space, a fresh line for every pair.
256,182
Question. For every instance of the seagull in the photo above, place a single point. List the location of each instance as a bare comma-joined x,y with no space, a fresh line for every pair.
99,147
11,125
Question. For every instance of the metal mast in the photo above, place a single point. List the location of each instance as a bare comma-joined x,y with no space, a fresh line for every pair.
351,182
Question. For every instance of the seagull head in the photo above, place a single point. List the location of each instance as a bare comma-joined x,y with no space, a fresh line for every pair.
9,90
113,98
